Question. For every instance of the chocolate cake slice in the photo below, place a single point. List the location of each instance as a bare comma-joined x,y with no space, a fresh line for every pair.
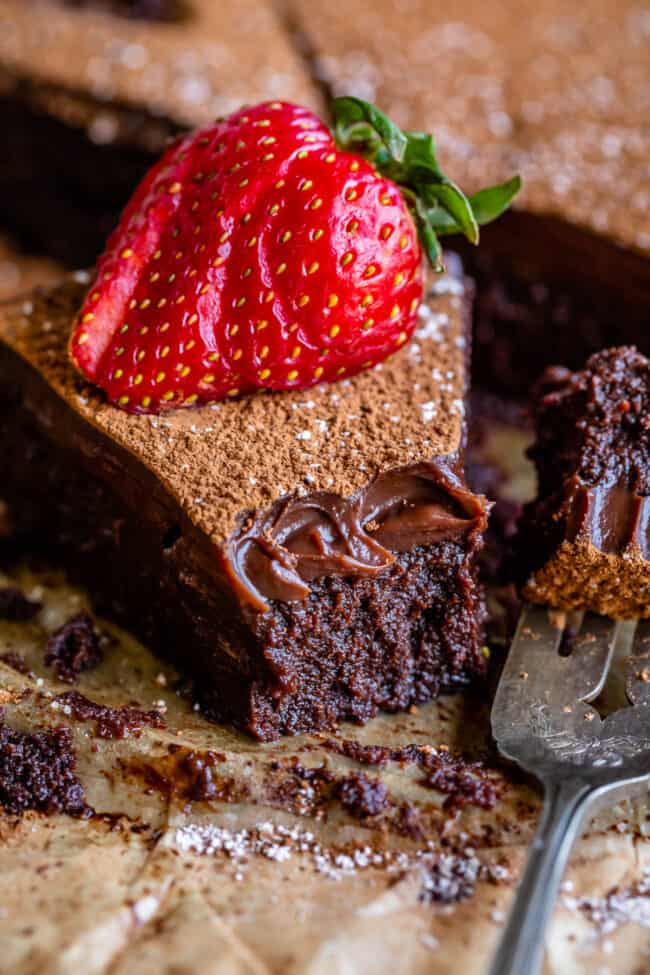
558,96
306,556
91,91
586,537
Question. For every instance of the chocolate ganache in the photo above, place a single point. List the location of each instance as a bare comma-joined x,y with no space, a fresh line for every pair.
613,518
276,553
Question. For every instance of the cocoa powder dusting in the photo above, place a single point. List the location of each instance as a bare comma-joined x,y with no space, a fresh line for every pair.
559,98
377,755
332,437
464,783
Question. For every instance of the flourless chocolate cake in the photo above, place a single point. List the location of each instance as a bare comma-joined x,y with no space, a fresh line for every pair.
306,556
91,91
585,540
557,95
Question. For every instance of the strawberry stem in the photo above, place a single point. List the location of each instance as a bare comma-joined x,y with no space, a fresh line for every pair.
437,204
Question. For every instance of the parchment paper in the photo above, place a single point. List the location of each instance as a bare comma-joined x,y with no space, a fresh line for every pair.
266,879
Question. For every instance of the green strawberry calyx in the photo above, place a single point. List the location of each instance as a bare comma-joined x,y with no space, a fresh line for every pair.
439,207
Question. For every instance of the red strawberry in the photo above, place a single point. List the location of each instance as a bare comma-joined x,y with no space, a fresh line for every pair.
256,253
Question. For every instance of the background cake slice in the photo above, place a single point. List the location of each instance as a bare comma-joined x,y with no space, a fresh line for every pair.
307,556
20,273
586,539
91,91
560,98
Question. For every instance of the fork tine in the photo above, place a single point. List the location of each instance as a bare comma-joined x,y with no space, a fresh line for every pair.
536,634
592,655
528,672
535,670
637,681
536,645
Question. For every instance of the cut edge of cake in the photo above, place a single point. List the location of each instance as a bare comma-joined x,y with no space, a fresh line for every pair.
585,540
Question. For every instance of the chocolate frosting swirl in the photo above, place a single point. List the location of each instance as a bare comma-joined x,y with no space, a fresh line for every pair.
275,554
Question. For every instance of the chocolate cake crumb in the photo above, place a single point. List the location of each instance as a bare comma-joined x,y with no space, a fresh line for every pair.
110,722
464,783
299,788
362,796
73,648
37,772
378,755
15,607
16,661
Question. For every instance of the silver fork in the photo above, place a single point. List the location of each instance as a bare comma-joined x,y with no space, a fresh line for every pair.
541,719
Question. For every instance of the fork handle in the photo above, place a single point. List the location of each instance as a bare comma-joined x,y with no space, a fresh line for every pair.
521,950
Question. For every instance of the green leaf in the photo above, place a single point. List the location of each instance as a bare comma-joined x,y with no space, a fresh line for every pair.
426,233
409,159
353,116
420,159
459,208
490,203
487,205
